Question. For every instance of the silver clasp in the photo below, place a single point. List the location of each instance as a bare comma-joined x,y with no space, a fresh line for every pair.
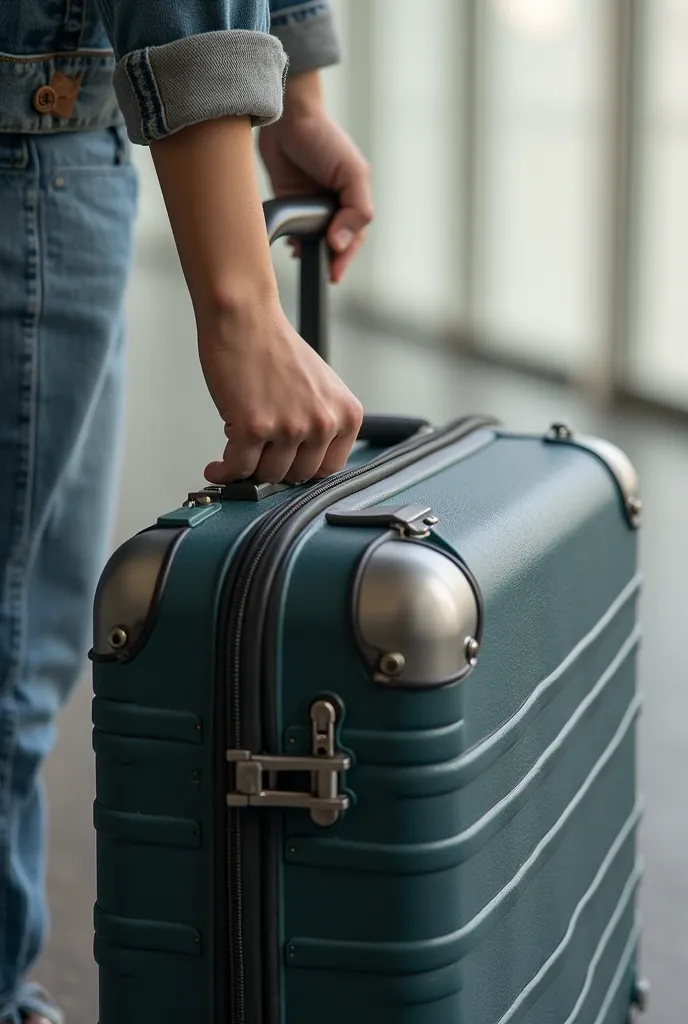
256,782
408,520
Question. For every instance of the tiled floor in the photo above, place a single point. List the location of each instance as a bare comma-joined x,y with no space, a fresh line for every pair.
168,408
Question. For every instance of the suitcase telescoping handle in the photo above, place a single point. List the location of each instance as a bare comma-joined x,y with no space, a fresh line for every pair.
307,218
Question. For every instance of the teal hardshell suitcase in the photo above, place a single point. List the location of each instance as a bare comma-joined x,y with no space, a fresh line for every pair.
366,748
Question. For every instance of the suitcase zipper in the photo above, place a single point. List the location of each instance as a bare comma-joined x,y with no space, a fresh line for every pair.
257,545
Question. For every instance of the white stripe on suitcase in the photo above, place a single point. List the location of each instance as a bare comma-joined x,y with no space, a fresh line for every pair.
624,964
623,904
521,1002
557,743
477,752
329,953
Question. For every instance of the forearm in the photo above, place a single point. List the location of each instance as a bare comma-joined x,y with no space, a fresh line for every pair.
208,179
287,415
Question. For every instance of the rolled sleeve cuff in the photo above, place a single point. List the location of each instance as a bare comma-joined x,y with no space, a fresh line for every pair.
162,89
309,36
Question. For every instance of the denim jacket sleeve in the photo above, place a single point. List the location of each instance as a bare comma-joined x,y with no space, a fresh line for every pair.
184,61
307,32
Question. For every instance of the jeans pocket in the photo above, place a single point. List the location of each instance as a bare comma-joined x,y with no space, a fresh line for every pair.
14,152
90,207
103,151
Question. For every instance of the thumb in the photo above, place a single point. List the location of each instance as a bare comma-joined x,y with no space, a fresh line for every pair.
355,213
345,225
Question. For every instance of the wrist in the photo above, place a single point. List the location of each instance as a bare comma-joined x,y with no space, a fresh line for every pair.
238,298
303,96
236,309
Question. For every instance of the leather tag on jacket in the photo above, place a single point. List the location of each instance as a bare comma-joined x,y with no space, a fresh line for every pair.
66,90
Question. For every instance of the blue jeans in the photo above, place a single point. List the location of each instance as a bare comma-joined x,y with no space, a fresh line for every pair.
67,204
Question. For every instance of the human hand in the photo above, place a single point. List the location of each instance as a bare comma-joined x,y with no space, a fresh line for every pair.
307,153
287,415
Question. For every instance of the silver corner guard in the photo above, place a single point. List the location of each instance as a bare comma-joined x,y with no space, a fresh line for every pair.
128,591
616,461
418,615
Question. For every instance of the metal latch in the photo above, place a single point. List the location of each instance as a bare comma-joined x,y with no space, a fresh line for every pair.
408,520
256,782
205,497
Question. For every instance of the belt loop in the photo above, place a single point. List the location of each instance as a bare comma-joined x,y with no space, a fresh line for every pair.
33,161
20,153
121,145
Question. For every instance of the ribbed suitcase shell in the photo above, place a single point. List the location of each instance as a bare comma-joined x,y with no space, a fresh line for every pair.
487,869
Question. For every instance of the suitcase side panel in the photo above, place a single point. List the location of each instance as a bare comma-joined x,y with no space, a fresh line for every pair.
373,908
156,768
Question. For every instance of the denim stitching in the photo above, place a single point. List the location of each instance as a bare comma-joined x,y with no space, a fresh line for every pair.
134,76
310,6
298,15
142,79
34,310
161,128
15,584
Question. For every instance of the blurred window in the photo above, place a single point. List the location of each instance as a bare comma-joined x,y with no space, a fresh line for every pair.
541,223
658,364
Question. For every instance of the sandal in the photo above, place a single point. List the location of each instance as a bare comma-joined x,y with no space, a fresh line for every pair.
35,1001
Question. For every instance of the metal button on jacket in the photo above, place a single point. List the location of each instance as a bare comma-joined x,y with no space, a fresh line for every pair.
44,99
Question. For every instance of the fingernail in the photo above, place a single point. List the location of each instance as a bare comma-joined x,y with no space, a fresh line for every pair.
343,239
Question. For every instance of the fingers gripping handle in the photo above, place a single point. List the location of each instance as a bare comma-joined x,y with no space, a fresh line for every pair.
377,431
308,219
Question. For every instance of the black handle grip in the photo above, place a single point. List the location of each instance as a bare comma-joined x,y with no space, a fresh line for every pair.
377,431
301,216
307,218
387,431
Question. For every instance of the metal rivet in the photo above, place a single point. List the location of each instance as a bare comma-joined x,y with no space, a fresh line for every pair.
117,638
431,521
204,499
392,663
292,849
471,648
561,431
197,728
59,183
635,510
641,994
